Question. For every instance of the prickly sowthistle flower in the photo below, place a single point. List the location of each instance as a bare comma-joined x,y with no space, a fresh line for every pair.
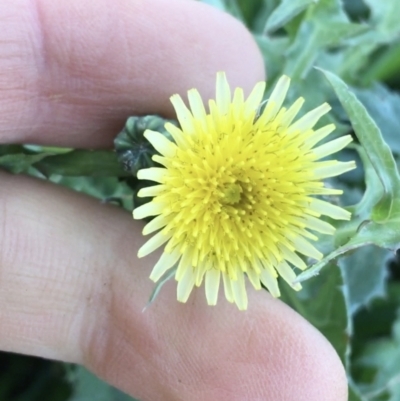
236,194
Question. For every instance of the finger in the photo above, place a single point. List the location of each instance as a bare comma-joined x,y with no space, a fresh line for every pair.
71,72
71,288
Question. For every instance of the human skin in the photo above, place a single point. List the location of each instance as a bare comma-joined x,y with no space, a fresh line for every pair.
71,286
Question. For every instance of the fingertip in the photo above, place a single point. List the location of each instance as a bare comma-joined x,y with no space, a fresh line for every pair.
99,61
304,366
267,353
225,45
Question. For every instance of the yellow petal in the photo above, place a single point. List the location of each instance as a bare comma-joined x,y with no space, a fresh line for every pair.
212,285
334,169
327,209
151,191
160,143
155,224
152,244
304,247
227,287
223,93
239,292
254,278
183,114
288,275
185,285
148,209
270,282
156,174
166,261
332,146
310,119
278,95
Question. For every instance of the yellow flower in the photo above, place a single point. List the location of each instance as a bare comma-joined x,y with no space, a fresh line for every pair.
235,197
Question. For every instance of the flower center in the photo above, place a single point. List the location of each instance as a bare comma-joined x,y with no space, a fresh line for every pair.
232,194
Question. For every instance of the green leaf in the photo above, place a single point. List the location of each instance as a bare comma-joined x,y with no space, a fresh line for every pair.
11,149
80,162
383,358
287,10
373,192
250,10
382,312
376,148
370,264
356,55
20,162
383,235
244,10
383,106
53,150
356,9
325,25
354,394
88,387
260,18
385,16
107,189
384,67
384,29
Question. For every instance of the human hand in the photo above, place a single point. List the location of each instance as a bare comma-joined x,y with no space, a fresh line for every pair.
71,287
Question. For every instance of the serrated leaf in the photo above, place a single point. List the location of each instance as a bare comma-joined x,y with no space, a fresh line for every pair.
364,275
286,10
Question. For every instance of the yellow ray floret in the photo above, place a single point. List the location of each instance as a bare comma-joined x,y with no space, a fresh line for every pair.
236,194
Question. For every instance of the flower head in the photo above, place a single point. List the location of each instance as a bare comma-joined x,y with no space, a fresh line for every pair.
236,195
